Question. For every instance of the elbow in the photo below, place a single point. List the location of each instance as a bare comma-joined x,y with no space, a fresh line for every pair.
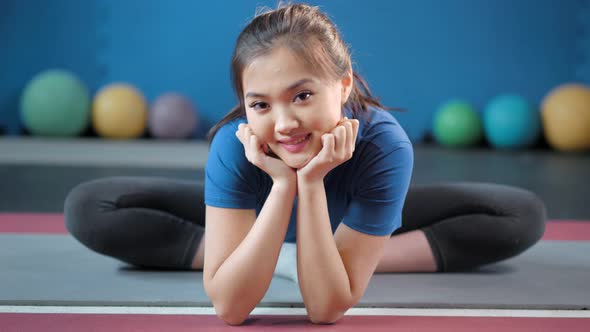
229,311
327,313
231,316
325,317
232,309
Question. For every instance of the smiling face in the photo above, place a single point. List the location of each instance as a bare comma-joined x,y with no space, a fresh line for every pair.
289,107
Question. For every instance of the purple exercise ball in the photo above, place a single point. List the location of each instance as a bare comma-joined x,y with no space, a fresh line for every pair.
172,116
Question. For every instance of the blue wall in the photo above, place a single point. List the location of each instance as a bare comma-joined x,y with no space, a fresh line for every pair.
414,54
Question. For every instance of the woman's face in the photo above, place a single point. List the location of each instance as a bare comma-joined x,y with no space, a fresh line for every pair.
289,107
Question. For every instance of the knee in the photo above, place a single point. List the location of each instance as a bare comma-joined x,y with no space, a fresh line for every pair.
530,216
81,207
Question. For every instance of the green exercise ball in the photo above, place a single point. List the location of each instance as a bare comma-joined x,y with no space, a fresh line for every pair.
457,124
55,103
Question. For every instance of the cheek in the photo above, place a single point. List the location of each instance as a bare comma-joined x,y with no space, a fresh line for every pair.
328,119
259,126
331,113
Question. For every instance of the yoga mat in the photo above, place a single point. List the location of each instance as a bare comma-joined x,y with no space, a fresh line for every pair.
53,223
181,323
40,269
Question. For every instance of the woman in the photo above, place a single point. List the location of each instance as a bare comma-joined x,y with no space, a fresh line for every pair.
308,158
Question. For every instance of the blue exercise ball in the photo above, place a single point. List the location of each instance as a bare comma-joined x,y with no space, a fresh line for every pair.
511,122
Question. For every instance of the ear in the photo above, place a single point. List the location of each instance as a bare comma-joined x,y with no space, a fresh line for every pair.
347,83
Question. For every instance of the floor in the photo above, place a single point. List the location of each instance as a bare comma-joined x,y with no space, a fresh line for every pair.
36,175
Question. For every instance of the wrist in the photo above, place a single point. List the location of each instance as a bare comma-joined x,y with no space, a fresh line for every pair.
285,184
306,182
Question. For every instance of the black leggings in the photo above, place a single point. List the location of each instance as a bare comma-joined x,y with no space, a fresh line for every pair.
158,222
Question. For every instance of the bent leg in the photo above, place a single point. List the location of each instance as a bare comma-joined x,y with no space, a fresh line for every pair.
144,221
469,224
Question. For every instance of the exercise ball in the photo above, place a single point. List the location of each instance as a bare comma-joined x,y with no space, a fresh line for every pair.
55,103
511,122
457,124
172,116
566,117
119,111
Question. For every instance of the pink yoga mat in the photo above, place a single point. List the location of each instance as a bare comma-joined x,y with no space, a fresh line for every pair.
53,223
180,323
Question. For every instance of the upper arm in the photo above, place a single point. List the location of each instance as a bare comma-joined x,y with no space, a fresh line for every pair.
231,181
381,187
225,229
231,184
360,254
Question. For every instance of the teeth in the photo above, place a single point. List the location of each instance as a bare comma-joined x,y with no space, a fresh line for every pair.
298,141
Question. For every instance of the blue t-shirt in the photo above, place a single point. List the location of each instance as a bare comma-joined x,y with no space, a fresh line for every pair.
366,193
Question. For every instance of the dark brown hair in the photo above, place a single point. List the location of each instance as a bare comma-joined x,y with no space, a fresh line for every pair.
313,39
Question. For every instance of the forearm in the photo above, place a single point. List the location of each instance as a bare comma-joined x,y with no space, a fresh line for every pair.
323,279
242,280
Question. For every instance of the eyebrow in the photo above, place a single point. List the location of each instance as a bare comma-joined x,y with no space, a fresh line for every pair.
291,87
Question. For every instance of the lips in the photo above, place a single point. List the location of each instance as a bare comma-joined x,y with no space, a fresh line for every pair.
295,140
295,144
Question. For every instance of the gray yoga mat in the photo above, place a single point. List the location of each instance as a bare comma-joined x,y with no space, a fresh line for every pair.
57,270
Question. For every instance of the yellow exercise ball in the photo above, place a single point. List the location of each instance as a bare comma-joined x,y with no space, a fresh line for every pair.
566,117
119,111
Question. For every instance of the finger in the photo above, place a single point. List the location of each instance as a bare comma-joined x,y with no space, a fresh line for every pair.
255,149
245,135
253,137
340,139
241,133
247,130
247,138
238,136
349,147
254,145
249,133
355,128
328,144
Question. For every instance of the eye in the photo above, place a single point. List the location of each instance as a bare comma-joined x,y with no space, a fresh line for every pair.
258,106
305,95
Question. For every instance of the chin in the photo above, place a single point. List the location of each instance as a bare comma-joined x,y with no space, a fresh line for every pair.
296,163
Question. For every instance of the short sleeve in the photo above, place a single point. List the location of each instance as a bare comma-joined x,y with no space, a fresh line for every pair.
377,202
230,179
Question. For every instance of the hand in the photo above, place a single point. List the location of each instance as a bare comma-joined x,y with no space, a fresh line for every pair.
337,147
258,153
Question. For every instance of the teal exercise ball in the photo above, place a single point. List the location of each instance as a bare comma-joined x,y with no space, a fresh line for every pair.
511,122
55,103
457,124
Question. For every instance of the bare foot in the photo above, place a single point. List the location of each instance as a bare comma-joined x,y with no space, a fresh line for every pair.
199,258
407,252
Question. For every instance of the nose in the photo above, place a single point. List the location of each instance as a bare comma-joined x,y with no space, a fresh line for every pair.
286,122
